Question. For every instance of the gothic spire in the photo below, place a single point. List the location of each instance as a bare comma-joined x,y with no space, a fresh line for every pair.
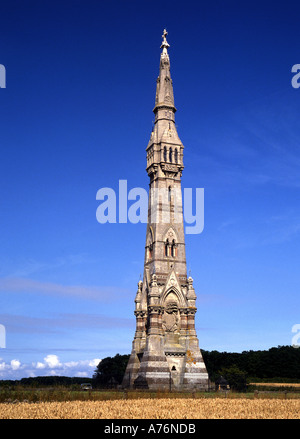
164,89
165,350
164,133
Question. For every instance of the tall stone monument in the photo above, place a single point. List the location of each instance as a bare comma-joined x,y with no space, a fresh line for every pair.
165,350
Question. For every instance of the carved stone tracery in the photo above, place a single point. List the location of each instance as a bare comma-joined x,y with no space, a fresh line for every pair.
171,317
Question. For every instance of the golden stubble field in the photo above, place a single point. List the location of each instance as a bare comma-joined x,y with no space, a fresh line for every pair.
214,408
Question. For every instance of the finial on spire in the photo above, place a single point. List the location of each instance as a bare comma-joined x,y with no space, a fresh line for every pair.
165,45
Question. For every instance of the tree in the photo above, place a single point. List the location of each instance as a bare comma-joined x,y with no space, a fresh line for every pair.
110,371
281,362
237,379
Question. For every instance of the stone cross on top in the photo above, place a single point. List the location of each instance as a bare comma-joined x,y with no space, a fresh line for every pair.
165,44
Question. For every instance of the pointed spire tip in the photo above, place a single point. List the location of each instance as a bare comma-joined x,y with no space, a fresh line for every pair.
165,45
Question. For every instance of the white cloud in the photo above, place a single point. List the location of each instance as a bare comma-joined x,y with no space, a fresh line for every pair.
71,364
95,362
50,366
15,364
52,361
3,366
25,285
39,365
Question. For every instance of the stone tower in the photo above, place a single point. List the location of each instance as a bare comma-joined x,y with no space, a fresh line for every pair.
165,350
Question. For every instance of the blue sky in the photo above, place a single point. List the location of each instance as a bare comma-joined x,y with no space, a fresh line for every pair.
76,115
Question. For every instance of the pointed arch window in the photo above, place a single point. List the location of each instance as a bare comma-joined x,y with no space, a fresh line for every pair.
150,245
165,154
170,155
174,249
150,251
176,155
171,249
167,247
